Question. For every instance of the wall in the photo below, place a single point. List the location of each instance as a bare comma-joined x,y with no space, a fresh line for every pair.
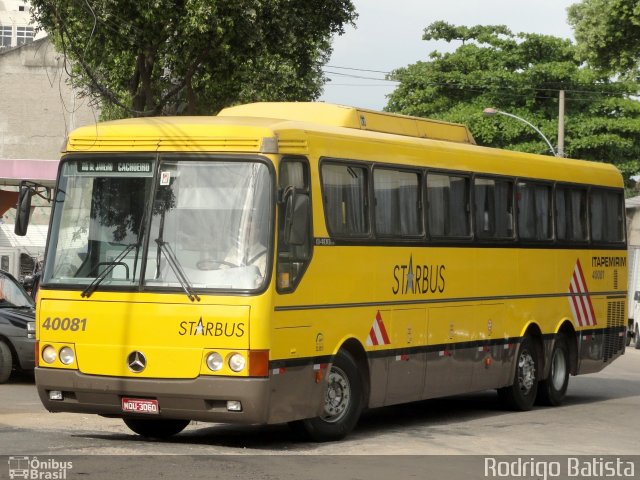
37,107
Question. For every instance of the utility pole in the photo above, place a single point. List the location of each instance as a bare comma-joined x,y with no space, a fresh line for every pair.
560,148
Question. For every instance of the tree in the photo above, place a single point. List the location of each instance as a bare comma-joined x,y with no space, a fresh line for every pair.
608,33
522,74
193,56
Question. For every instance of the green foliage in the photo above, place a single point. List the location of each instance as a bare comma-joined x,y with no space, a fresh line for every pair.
158,57
522,74
608,33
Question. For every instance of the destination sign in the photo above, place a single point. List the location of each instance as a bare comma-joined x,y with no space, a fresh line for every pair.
114,167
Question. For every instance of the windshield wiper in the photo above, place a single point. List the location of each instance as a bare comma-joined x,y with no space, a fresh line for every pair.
177,269
114,263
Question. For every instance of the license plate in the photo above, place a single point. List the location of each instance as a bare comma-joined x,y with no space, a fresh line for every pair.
140,405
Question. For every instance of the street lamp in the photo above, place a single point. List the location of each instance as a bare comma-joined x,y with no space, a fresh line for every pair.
490,112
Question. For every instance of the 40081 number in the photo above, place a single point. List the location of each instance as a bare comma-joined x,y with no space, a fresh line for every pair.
70,324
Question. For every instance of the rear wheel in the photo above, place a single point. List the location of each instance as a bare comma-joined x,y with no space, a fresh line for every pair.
157,427
522,393
6,362
343,403
552,390
637,337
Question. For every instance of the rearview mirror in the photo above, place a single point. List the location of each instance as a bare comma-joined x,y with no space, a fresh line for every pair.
23,210
296,222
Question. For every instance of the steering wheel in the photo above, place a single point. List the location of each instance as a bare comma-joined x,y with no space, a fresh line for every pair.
255,258
214,264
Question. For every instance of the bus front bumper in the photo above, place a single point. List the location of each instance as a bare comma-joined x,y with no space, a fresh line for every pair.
203,398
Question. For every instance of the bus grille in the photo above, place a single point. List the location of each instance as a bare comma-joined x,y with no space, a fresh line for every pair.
613,341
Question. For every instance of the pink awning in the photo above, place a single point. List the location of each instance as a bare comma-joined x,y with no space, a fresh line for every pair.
13,171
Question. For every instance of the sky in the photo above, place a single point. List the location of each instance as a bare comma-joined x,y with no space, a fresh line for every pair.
388,35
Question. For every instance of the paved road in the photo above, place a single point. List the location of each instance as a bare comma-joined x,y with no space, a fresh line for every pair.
601,416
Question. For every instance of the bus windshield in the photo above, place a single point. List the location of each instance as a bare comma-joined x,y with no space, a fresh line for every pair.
143,222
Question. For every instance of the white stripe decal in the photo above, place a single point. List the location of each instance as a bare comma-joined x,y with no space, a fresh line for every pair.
588,320
579,298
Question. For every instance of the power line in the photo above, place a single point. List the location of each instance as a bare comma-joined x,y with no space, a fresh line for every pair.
472,87
358,69
332,84
485,88
360,77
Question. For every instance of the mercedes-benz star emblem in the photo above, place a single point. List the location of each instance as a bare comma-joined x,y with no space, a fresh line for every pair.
136,361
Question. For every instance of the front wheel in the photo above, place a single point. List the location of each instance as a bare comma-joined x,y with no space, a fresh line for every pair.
552,390
637,337
522,393
342,405
6,362
157,427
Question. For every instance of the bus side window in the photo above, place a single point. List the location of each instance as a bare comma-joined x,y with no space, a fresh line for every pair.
294,224
607,221
448,205
494,208
535,221
571,214
398,210
345,190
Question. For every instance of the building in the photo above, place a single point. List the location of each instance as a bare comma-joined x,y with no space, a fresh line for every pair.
22,256
38,108
15,24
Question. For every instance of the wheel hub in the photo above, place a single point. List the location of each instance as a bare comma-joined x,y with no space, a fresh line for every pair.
338,395
526,372
558,370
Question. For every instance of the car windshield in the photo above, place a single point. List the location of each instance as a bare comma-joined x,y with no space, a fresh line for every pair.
167,223
12,294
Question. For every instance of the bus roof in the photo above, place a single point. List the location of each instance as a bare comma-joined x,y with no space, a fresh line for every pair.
288,128
354,118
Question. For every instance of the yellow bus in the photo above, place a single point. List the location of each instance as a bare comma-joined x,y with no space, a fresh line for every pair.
300,262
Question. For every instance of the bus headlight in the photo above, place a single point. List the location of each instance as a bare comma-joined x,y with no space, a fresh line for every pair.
67,356
215,361
49,354
237,362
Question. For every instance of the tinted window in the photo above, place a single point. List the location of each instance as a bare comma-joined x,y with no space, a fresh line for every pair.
571,214
494,208
345,199
397,207
607,222
534,211
448,205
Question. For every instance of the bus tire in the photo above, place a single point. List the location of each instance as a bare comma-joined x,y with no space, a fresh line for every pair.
343,403
637,337
155,428
6,362
521,394
553,389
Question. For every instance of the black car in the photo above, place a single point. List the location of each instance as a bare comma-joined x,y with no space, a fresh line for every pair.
17,327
